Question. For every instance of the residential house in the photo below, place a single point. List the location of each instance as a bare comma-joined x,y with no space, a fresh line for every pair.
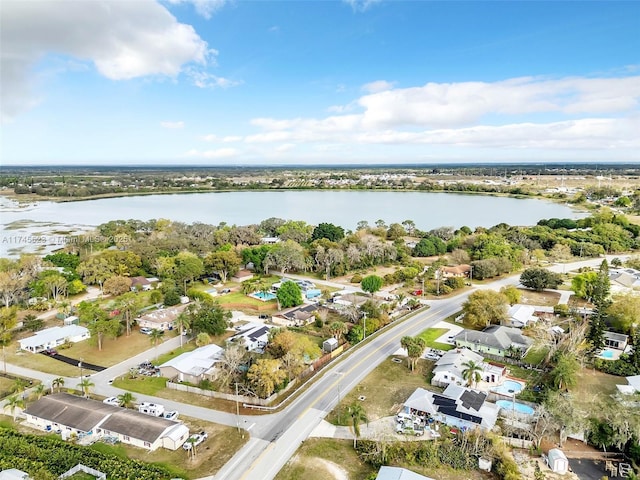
140,283
161,319
74,415
449,369
520,316
14,474
298,316
463,271
192,366
457,407
349,299
269,240
632,387
54,337
494,340
616,340
242,276
624,279
254,337
397,473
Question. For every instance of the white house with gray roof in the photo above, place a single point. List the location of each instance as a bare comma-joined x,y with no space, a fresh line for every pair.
192,366
54,337
254,337
450,367
92,419
520,316
494,340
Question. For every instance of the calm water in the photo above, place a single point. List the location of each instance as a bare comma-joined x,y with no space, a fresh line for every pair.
345,208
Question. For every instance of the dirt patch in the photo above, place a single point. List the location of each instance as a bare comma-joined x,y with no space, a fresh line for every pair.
333,470
547,299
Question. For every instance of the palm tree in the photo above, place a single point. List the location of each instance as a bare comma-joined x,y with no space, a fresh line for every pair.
19,385
86,384
58,383
126,399
472,372
39,391
358,415
183,322
13,402
337,329
155,336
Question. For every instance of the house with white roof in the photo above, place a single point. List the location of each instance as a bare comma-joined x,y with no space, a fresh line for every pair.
450,367
397,473
457,407
161,319
14,474
633,385
192,366
254,337
74,415
520,316
54,337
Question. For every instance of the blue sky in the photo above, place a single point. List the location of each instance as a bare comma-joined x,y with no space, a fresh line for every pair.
216,82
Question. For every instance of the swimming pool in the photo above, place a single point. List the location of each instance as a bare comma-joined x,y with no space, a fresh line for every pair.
607,354
518,407
508,387
264,296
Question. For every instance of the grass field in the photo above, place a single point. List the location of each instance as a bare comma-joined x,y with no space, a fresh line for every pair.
385,389
430,335
6,386
591,382
531,297
536,355
144,385
319,458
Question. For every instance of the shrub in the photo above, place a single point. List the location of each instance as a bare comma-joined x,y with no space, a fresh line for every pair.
357,278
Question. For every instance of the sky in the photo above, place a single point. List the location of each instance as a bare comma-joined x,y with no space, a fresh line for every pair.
219,82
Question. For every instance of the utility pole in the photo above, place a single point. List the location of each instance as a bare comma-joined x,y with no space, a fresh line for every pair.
364,333
237,410
438,282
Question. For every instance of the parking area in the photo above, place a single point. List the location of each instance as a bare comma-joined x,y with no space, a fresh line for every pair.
453,330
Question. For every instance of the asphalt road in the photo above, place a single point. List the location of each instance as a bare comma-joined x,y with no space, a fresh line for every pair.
276,437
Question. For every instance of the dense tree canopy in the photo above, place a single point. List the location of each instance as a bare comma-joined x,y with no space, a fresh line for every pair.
540,278
289,295
485,307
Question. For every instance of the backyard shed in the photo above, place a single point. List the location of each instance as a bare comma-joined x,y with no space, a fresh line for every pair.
329,345
557,461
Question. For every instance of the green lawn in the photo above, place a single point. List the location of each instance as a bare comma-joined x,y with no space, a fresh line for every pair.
430,335
165,357
385,389
536,355
144,385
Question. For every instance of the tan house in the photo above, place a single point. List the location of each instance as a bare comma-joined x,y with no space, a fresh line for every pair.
71,415
161,319
463,271
242,275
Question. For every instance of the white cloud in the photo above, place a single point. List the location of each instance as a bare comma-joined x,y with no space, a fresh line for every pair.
212,137
285,147
205,8
172,125
122,39
377,86
232,139
274,29
361,5
214,154
203,79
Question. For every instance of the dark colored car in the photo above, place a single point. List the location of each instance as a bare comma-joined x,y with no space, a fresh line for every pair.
51,352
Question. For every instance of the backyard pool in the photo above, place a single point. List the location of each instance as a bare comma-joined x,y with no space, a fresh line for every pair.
508,387
607,354
264,296
518,407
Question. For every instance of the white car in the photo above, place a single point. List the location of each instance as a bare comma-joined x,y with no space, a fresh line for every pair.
431,356
172,415
112,401
195,440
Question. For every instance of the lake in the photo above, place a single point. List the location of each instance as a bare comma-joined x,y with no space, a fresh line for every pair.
41,226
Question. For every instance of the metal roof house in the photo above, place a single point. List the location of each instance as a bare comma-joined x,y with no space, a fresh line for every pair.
192,366
495,340
456,406
618,341
520,315
53,337
92,419
397,473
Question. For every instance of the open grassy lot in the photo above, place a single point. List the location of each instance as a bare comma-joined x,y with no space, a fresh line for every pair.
385,389
430,335
6,386
319,458
140,384
593,382
113,352
531,297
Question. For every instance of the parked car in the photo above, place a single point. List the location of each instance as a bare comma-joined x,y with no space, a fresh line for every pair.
51,352
112,401
225,290
263,316
146,330
171,415
405,429
431,356
195,440
110,381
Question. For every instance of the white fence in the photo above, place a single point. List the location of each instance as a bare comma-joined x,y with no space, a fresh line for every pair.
85,469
